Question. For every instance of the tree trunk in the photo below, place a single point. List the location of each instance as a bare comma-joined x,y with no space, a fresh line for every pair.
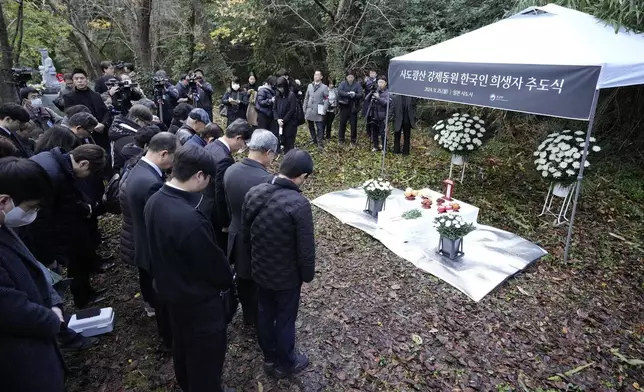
216,59
143,39
335,45
7,89
88,57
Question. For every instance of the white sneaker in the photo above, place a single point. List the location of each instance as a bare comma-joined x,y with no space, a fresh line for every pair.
149,310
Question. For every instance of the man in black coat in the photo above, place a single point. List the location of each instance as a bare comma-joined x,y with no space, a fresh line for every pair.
31,316
191,272
278,226
108,73
123,130
404,120
12,116
145,179
349,96
83,95
222,150
60,234
239,178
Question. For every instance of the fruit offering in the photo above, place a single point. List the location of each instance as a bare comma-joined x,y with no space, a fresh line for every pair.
455,206
440,201
426,203
425,193
442,209
409,194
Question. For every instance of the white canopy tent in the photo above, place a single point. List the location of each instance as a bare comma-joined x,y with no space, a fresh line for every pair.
546,60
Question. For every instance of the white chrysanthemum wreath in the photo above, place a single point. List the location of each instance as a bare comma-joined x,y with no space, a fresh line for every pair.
460,134
558,157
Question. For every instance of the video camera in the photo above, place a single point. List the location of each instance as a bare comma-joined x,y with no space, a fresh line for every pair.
159,83
122,64
122,99
21,75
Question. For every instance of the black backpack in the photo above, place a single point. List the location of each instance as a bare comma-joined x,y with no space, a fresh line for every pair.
114,186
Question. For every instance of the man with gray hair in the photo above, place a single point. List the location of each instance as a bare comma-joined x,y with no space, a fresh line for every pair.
239,178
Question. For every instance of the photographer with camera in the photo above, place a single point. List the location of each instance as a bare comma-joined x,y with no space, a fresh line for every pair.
165,96
190,92
122,93
100,85
206,97
376,113
370,84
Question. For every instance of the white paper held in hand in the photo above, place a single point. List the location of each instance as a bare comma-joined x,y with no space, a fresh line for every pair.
280,131
321,110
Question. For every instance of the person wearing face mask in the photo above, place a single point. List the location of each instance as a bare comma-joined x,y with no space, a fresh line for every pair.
123,130
238,180
61,231
32,316
278,227
284,111
191,273
222,150
195,123
145,179
236,101
12,116
43,118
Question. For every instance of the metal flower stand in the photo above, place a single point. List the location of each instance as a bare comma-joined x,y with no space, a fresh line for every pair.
561,192
373,207
452,249
457,160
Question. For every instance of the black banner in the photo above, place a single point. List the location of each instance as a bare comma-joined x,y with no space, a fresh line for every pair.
551,90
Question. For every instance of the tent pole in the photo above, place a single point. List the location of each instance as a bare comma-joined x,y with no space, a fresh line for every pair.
580,176
384,144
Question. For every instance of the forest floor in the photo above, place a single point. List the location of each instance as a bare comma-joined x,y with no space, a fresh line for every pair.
555,327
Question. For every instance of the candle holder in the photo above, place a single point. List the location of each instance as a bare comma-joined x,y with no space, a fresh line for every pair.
449,189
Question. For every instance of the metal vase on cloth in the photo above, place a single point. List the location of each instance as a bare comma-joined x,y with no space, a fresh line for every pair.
561,190
451,248
375,206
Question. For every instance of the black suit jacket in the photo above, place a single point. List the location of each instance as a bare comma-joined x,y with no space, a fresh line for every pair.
238,180
31,361
23,151
223,160
404,107
142,182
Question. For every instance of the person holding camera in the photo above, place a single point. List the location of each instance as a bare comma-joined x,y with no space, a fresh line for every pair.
370,84
349,95
235,101
165,96
206,97
377,113
190,92
100,85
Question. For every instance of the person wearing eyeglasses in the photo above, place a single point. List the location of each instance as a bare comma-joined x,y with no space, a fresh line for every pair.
234,140
238,180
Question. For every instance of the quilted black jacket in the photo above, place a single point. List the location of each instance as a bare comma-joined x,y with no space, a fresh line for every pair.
278,226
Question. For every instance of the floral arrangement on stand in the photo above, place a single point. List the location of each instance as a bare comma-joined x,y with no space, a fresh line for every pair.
452,228
377,190
461,135
558,159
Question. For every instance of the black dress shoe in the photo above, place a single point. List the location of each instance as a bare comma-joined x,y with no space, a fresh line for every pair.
301,363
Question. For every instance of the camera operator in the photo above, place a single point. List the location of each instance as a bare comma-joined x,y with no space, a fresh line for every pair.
100,85
165,96
123,92
206,98
190,92
377,112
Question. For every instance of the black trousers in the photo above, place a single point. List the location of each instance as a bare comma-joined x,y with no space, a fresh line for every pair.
81,264
288,141
316,129
276,324
164,325
247,294
328,123
376,129
200,341
264,121
348,115
406,134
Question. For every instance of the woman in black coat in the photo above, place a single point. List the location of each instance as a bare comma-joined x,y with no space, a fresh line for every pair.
284,111
236,101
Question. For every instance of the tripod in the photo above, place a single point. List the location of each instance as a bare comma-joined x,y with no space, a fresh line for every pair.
158,96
